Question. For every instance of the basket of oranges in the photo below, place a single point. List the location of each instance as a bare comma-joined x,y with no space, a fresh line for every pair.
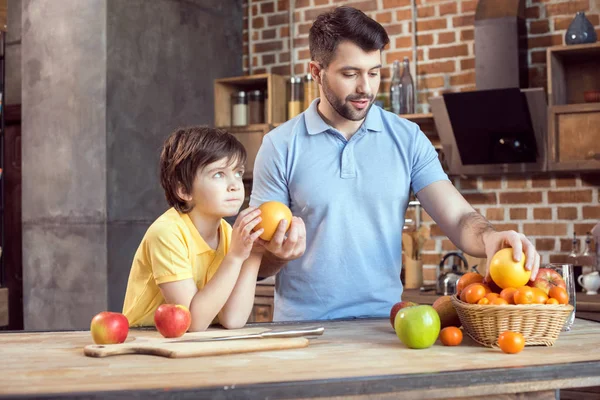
489,307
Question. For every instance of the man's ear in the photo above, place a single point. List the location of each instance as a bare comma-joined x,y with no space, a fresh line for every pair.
183,194
315,70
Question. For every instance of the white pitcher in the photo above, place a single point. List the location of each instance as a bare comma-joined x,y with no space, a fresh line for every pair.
590,282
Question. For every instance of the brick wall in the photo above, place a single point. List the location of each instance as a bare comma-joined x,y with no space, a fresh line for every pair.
546,208
445,38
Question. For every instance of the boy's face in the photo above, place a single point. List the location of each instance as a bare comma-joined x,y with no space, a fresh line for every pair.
218,189
351,81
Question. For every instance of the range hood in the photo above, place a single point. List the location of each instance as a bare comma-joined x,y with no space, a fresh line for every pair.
501,126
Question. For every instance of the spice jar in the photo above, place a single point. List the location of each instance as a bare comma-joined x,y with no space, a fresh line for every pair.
311,90
295,102
256,107
239,109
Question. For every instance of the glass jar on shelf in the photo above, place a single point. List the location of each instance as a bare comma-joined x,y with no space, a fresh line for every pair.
295,100
256,107
239,109
311,90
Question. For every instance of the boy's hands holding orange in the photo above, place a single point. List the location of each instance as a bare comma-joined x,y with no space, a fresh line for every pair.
242,236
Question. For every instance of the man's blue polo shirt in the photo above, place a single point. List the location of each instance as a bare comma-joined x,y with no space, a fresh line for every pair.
352,195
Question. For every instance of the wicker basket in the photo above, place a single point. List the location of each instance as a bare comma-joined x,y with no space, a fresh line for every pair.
540,324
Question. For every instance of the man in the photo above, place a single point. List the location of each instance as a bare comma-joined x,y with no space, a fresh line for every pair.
346,169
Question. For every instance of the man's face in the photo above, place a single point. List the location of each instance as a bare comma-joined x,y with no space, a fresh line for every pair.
351,81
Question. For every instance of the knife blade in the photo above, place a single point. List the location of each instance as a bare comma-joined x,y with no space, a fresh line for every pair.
313,331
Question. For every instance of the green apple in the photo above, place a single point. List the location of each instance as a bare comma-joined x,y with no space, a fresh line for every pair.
417,327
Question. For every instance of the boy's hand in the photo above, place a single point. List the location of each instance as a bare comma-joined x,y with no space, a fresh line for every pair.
290,247
242,237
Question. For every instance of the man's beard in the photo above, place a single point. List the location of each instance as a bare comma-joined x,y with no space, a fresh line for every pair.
343,107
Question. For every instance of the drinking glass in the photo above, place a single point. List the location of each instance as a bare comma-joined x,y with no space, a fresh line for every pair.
566,271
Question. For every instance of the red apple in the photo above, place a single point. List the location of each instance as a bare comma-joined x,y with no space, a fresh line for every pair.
397,307
546,279
172,320
109,328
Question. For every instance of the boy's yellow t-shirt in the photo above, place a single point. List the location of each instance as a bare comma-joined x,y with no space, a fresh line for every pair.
171,250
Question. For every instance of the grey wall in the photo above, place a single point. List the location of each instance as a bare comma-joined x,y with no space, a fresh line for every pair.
13,54
104,82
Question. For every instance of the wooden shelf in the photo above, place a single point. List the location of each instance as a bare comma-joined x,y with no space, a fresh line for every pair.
423,117
574,108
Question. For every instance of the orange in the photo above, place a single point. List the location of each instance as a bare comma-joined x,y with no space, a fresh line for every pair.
508,294
511,342
271,213
524,295
506,272
466,280
551,301
474,292
539,296
492,296
559,294
484,301
451,336
499,302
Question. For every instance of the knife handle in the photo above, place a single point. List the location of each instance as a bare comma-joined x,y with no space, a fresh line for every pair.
293,333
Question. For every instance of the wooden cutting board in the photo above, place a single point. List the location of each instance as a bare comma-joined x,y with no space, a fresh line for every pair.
171,349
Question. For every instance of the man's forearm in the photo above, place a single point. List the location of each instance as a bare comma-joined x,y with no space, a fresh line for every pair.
270,265
473,228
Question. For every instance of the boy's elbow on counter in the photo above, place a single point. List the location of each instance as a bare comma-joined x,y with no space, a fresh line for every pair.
233,322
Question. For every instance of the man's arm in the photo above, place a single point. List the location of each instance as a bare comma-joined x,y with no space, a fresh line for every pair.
468,229
282,249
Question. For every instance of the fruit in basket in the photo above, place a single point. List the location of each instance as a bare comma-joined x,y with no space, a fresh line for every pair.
474,292
539,296
417,327
491,284
511,342
508,294
552,301
560,294
109,328
397,307
524,295
451,336
506,272
466,280
546,279
445,309
499,301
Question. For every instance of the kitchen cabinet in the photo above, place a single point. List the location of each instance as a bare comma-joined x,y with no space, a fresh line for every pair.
573,133
353,359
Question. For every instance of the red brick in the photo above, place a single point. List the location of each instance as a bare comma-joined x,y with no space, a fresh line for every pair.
281,70
312,13
492,183
429,274
268,59
540,182
321,2
582,229
467,78
282,5
398,55
446,37
303,29
568,213
468,6
437,67
469,88
516,183
395,29
304,54
570,196
506,227
284,57
258,22
532,12
541,41
269,34
545,244
520,197
467,34
565,181
541,229
424,40
301,42
567,8
467,63
538,57
277,19
466,183
429,245
259,70
538,27
284,31
301,3
591,212
424,12
518,213
561,23
384,17
448,8
480,198
395,3
431,258
436,230
364,6
495,214
447,245
431,24
558,258
425,217
267,8
567,245
448,52
404,15
266,47
431,82
542,213
463,20
403,42
300,69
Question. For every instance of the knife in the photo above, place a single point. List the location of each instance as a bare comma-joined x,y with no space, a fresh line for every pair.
264,335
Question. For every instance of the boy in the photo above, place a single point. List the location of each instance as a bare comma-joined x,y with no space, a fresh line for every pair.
190,255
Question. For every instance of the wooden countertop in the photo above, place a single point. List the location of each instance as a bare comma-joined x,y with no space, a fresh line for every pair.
358,357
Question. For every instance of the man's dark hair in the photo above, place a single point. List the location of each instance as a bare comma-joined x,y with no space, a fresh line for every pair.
344,24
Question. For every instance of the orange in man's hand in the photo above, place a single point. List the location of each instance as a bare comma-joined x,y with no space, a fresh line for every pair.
271,213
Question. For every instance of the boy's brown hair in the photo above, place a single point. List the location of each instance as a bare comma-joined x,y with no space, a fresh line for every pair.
187,150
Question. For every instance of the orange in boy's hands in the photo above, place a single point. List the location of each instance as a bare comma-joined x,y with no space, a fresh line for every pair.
271,213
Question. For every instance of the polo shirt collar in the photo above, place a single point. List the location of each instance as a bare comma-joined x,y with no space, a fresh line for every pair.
315,124
201,245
